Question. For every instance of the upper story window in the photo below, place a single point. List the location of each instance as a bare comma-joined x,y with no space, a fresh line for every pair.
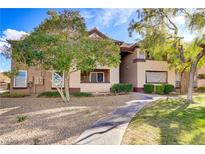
96,77
57,79
20,80
141,55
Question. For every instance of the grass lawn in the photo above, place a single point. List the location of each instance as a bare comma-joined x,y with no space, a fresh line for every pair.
168,122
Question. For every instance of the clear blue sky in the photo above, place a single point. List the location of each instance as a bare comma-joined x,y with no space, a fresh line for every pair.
112,22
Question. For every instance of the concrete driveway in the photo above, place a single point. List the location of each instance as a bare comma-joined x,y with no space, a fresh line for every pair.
110,129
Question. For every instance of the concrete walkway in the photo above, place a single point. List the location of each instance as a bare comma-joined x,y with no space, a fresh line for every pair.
110,130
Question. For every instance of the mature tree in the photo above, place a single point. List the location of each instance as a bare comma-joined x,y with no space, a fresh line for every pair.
161,36
61,43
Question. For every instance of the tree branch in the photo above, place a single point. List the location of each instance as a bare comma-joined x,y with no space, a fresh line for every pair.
175,27
169,26
181,53
202,45
200,55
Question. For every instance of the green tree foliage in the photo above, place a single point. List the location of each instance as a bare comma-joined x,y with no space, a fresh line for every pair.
61,43
160,36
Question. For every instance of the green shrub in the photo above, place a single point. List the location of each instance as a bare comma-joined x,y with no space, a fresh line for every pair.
148,88
16,95
159,89
36,141
201,76
121,87
21,118
5,94
168,88
56,94
49,94
82,94
13,95
202,89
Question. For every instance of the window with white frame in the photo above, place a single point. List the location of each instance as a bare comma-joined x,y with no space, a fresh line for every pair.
20,80
97,77
141,55
57,79
156,76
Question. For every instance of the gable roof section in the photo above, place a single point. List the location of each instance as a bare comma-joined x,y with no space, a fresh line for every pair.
124,47
96,31
99,33
128,47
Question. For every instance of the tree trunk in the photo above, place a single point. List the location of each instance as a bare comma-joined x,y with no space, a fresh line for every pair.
192,73
181,76
67,94
60,90
181,81
191,82
61,93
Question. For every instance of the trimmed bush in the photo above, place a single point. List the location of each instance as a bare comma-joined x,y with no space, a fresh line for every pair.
201,76
148,88
159,89
56,94
36,141
49,94
16,95
168,88
5,94
13,95
121,87
201,89
82,94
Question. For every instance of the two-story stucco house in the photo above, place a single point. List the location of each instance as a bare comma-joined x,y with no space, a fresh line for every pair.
136,68
34,80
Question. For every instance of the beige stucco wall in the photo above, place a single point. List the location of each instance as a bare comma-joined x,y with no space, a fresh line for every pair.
102,87
74,81
128,69
201,82
134,71
154,66
95,87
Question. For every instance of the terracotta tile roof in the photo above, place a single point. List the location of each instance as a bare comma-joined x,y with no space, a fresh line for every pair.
95,30
124,47
128,46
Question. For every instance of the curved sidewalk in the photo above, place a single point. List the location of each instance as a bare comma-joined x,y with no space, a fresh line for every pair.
110,130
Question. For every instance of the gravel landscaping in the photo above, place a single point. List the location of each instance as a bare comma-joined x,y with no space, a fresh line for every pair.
49,120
